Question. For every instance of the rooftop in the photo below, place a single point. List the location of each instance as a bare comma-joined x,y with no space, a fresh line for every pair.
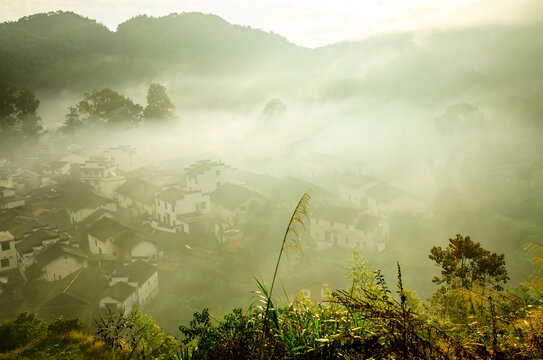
139,190
137,271
339,214
53,252
119,291
232,196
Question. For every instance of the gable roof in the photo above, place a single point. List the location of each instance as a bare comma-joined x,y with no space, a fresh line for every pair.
137,271
36,239
84,286
106,228
338,214
172,194
53,252
201,166
120,291
122,236
139,190
232,196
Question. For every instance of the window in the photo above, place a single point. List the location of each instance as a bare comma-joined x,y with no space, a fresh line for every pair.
327,235
95,242
6,246
218,172
218,183
243,207
203,205
4,263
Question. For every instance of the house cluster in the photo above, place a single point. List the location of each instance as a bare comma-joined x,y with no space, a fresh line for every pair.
110,223
81,233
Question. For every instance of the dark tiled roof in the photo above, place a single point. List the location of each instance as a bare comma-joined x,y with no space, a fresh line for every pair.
84,286
122,236
290,189
339,214
106,228
201,167
36,239
139,190
171,195
119,292
231,196
128,240
138,271
53,252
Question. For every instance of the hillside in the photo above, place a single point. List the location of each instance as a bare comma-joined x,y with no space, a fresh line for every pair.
64,50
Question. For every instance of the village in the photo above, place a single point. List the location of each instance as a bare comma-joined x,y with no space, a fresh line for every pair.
82,233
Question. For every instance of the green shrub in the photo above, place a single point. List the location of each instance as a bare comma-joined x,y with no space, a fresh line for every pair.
20,331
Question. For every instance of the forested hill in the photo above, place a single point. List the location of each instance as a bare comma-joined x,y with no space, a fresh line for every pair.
64,50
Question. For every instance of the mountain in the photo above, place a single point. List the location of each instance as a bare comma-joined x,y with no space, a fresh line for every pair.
58,50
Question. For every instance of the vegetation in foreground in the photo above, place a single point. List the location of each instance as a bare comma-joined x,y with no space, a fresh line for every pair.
470,316
368,320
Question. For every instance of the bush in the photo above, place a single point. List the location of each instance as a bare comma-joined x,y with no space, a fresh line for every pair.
63,326
20,331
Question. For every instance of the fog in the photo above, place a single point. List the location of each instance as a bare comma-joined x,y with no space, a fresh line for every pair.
452,117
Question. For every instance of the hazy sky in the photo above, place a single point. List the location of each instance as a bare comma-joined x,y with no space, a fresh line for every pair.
305,22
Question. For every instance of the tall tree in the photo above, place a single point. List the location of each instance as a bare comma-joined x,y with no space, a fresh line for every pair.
107,106
159,106
465,264
18,112
27,105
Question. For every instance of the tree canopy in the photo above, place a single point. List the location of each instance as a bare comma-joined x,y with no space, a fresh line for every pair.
465,263
19,117
159,105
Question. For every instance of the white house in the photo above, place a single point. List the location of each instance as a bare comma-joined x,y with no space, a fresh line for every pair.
175,201
141,275
56,168
207,176
8,199
335,226
30,245
59,261
120,296
387,199
137,195
115,241
352,189
102,176
233,203
125,158
8,253
80,203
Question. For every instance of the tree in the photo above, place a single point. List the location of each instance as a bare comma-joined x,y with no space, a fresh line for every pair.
274,109
20,331
8,109
107,106
18,114
465,264
159,106
72,121
27,106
